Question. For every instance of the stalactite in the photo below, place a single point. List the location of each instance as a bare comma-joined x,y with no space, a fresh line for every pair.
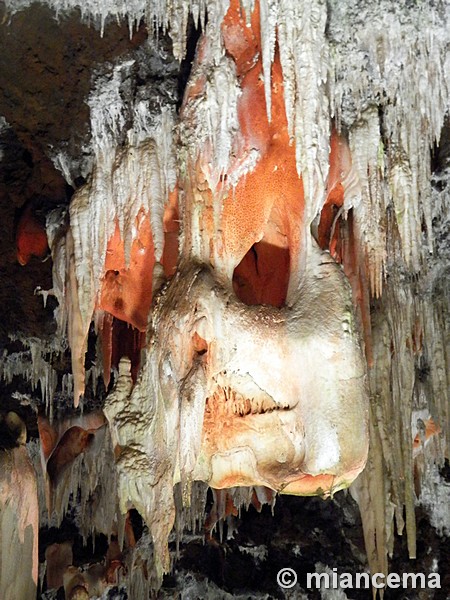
34,364
99,504
126,186
190,512
388,166
230,502
304,68
401,342
369,211
381,71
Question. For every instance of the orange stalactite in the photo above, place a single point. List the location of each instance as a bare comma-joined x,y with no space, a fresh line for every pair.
73,442
222,508
31,237
49,437
171,224
255,501
339,169
264,495
126,291
105,332
415,342
329,225
431,429
337,234
261,218
329,230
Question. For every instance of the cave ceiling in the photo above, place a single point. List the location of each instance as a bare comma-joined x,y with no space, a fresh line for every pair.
129,136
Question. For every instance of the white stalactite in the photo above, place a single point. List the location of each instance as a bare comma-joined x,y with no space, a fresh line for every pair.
124,181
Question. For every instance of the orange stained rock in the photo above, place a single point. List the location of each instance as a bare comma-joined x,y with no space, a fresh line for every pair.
267,204
51,434
222,508
323,485
74,441
31,237
339,166
126,291
61,443
431,429
171,224
48,436
341,238
260,222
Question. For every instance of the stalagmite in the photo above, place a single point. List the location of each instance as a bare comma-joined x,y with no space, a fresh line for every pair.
19,516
